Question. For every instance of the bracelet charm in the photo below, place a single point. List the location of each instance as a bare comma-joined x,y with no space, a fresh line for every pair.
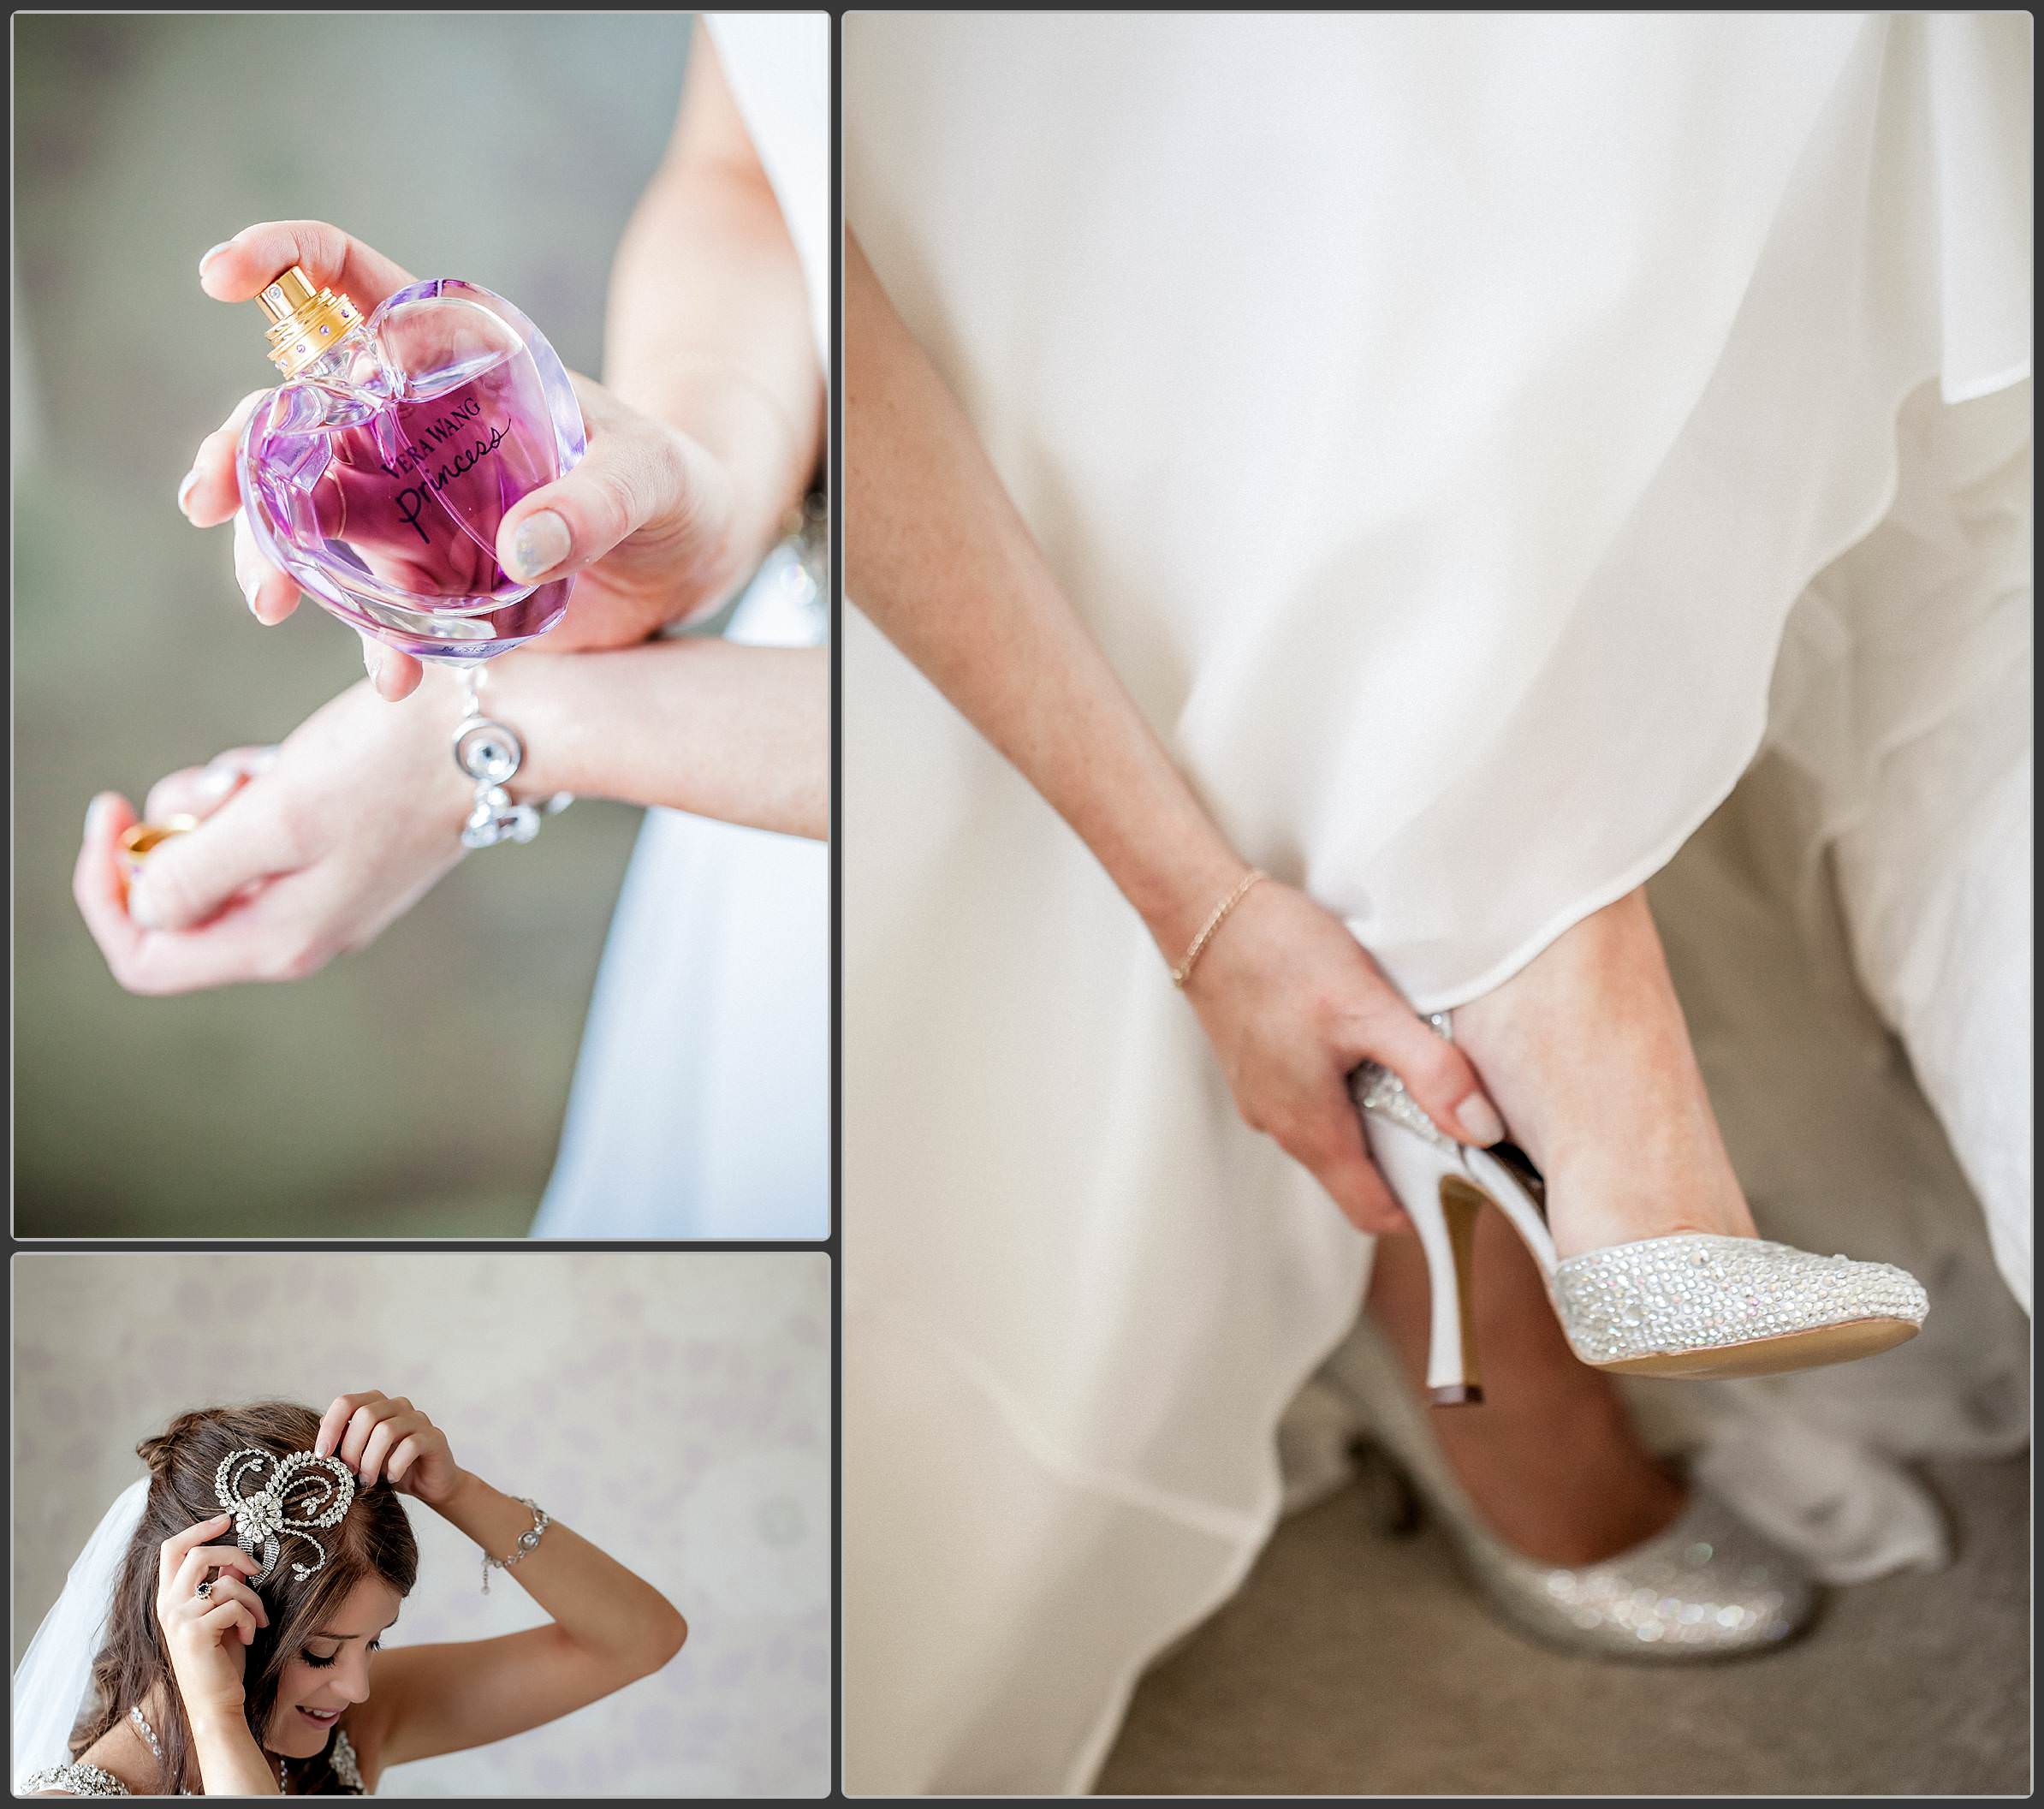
527,1541
490,753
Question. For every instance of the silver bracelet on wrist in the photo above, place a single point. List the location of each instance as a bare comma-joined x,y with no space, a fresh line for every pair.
527,1541
489,753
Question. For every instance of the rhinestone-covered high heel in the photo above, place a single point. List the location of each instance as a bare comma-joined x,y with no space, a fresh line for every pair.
1691,1304
1706,1587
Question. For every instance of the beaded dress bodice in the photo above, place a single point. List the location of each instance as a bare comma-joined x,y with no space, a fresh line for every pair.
76,1779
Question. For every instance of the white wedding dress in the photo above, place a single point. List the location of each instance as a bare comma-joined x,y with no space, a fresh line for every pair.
1444,422
701,1104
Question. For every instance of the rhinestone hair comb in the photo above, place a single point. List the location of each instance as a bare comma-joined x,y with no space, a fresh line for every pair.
303,1496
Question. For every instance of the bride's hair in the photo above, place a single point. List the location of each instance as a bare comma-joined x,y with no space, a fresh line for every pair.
373,1538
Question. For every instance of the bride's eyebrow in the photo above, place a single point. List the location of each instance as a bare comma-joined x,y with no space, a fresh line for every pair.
321,1633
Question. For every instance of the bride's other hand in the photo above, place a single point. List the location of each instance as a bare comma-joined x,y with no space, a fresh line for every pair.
376,1436
312,848
1292,1002
305,854
208,1636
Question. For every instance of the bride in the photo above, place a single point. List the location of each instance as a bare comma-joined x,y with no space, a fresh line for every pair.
1360,473
701,1101
222,1634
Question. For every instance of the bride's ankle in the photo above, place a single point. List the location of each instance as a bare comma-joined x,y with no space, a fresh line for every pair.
1605,1494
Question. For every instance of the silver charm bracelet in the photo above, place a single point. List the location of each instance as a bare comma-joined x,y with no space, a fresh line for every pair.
527,1541
489,753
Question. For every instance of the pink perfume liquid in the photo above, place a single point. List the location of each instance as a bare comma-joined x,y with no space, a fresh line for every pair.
380,475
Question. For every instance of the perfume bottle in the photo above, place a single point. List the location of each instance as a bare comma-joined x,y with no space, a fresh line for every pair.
378,473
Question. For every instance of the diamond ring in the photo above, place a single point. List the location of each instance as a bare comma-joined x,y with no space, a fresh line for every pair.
206,1589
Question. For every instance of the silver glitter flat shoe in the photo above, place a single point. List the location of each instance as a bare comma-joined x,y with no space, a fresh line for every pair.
1707,1586
1692,1304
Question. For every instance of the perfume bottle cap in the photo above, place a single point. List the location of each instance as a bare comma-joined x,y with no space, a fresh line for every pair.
289,294
305,323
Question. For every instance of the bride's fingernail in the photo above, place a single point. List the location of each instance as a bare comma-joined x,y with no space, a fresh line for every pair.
249,590
373,662
217,782
541,543
1479,1119
214,252
140,912
184,492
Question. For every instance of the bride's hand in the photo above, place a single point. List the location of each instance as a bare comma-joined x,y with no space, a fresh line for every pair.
375,1436
303,852
650,521
1291,1003
208,1635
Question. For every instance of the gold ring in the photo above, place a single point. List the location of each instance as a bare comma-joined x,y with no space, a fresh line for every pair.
144,838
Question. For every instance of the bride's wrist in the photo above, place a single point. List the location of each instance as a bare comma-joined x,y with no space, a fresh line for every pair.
216,1721
220,1731
494,1520
515,691
500,756
228,1757
1178,904
742,446
459,1501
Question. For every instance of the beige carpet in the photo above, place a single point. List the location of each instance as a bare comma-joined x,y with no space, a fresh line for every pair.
1354,1661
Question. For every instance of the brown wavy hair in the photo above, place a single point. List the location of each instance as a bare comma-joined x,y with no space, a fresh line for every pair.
374,1539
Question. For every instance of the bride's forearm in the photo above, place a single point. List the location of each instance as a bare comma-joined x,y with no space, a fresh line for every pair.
603,1609
936,554
738,732
709,327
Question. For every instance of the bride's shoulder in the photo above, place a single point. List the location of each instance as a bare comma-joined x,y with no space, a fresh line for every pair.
106,1768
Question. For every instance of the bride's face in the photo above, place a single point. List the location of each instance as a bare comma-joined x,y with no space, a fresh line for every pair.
330,1673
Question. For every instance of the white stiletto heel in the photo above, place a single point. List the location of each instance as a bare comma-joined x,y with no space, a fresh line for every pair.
1442,1202
1691,1304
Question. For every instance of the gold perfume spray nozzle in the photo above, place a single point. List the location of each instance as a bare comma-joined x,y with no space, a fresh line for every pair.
305,323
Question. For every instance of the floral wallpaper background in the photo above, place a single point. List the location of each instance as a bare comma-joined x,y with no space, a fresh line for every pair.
672,1407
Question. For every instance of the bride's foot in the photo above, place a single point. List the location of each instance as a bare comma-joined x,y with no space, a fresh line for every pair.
1562,1518
1549,1460
1640,1224
1586,1053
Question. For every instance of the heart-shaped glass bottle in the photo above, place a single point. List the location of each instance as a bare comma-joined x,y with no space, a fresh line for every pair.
378,473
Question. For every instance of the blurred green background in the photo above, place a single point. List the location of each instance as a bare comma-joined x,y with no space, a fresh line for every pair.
416,1088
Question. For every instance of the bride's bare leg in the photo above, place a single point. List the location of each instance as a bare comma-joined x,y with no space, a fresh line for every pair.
1549,1456
1586,1053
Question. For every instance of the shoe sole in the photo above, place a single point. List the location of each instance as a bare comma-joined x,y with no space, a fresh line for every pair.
1775,1356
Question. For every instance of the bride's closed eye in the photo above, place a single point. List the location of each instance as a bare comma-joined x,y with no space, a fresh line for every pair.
319,1662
